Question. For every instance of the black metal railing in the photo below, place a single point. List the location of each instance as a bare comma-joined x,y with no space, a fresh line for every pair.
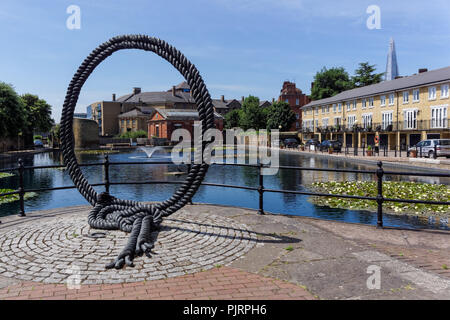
379,173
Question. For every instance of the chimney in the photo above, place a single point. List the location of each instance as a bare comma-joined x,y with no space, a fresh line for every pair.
422,70
113,97
173,91
136,90
273,100
242,99
222,98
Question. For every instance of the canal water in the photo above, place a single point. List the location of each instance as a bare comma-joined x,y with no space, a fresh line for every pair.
273,202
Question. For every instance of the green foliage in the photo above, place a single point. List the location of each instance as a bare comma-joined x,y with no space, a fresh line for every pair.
14,197
5,175
251,115
12,117
133,134
37,137
38,113
232,119
365,75
330,82
391,189
280,114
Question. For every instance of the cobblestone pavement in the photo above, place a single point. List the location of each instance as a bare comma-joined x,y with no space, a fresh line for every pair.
216,252
53,250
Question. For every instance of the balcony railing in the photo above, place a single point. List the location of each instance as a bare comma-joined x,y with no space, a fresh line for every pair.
418,125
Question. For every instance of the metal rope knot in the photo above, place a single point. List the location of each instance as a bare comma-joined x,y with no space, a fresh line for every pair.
110,213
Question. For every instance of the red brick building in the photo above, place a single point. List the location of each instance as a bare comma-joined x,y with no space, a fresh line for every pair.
296,99
164,121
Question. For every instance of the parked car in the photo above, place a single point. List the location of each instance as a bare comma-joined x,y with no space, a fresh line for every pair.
312,142
290,143
429,147
327,144
38,143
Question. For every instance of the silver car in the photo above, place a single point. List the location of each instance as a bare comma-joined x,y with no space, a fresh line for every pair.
428,148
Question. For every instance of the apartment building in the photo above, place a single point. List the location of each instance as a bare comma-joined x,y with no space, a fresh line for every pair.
400,112
290,94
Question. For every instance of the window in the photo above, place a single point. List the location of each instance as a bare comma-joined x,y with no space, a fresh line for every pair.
382,101
354,104
370,102
337,121
286,100
386,120
439,117
410,119
405,97
431,93
391,99
367,120
348,105
297,101
444,91
323,109
317,110
334,108
134,123
339,107
363,102
297,115
416,95
325,122
317,123
351,120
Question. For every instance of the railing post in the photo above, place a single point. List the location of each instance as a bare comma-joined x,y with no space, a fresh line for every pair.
107,182
21,189
380,198
261,190
189,169
435,152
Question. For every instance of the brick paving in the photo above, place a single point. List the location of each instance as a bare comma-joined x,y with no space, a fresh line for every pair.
215,252
224,283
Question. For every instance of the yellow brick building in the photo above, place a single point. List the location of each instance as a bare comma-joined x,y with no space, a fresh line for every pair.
399,112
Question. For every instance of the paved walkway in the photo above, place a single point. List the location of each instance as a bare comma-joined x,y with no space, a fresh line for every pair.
214,252
441,163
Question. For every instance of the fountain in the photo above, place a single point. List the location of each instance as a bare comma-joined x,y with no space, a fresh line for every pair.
149,151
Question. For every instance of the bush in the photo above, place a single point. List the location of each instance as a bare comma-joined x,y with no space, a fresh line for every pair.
133,134
37,137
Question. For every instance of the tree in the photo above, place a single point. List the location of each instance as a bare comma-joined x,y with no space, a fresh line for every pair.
251,115
232,119
12,115
330,82
38,113
280,114
365,75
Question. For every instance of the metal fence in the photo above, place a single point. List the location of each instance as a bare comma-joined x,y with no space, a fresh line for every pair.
379,173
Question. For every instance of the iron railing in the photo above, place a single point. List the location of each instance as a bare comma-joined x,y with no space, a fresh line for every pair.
379,173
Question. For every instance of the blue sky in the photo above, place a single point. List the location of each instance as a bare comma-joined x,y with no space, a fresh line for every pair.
240,47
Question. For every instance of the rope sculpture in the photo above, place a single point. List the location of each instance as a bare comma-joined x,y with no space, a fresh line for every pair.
110,213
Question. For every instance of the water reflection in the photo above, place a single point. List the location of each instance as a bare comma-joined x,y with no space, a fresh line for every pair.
233,175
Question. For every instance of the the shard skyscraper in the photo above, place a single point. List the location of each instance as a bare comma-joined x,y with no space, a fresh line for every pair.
391,65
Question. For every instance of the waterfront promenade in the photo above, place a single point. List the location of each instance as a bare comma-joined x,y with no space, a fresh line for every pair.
217,252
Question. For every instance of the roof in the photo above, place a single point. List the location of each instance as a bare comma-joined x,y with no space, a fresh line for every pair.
136,112
219,104
183,85
416,80
158,97
182,114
